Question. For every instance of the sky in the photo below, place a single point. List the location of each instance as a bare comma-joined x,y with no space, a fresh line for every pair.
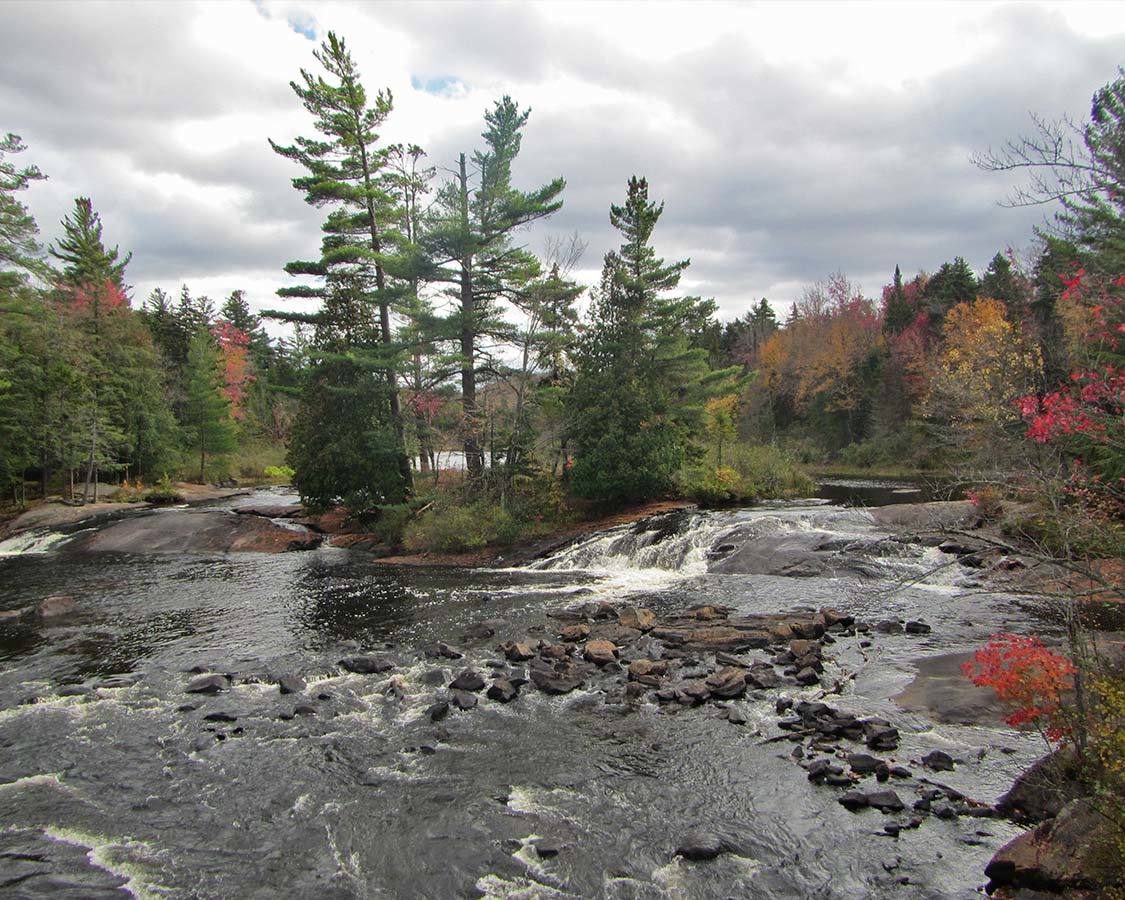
788,141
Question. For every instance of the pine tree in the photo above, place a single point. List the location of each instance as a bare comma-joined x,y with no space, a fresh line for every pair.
86,261
207,423
348,170
91,288
471,240
636,405
21,254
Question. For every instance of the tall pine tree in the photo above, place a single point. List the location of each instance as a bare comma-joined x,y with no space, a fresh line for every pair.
470,238
348,171
636,405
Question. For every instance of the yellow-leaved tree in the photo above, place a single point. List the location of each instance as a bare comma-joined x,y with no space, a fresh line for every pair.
984,366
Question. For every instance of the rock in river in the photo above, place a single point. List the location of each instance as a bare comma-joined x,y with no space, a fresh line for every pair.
600,653
938,760
464,701
57,605
367,665
208,684
727,683
887,801
701,845
502,691
468,680
291,684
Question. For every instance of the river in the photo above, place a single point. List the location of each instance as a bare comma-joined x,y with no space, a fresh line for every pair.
113,781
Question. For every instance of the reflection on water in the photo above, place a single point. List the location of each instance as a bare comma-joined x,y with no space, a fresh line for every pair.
886,492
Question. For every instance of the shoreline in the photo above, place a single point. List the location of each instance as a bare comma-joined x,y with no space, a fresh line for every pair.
57,514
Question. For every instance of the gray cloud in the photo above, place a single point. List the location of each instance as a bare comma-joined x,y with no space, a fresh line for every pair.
771,177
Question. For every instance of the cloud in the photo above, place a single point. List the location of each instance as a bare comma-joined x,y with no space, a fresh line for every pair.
785,145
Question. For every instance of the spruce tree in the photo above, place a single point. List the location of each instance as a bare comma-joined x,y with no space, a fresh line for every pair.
207,423
636,405
898,313
951,284
348,171
1002,283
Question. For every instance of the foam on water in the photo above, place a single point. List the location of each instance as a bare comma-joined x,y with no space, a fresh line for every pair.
116,856
46,779
31,542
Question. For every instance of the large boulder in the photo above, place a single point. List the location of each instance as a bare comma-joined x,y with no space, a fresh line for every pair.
1074,852
1042,791
700,845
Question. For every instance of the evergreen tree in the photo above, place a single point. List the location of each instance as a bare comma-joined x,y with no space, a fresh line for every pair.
1002,283
207,423
86,261
20,251
470,239
348,170
636,404
951,284
897,312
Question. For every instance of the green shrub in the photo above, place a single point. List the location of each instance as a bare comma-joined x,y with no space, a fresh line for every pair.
391,523
863,454
163,493
455,529
714,487
756,472
769,473
279,473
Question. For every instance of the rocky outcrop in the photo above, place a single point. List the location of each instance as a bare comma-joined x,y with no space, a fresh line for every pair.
195,531
1042,791
1075,853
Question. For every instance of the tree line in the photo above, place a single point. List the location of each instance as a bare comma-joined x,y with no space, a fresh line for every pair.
434,326
93,390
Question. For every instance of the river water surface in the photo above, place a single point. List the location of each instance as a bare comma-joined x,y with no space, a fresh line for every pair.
110,783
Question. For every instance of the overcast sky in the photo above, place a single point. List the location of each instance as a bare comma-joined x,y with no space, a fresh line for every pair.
788,141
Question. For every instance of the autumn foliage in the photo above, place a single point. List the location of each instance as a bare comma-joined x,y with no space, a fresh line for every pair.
1028,678
234,346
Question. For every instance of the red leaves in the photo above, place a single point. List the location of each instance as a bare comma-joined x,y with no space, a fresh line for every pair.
95,299
1027,677
233,343
425,404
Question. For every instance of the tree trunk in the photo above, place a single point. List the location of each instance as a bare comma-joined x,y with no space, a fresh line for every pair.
385,326
474,457
90,461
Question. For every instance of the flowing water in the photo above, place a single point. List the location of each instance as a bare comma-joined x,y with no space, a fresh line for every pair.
110,784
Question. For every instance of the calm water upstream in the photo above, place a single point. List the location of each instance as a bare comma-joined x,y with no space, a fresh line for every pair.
110,784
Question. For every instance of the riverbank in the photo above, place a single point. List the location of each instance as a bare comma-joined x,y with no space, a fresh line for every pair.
52,514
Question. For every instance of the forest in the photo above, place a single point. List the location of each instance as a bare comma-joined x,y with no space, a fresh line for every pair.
452,388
